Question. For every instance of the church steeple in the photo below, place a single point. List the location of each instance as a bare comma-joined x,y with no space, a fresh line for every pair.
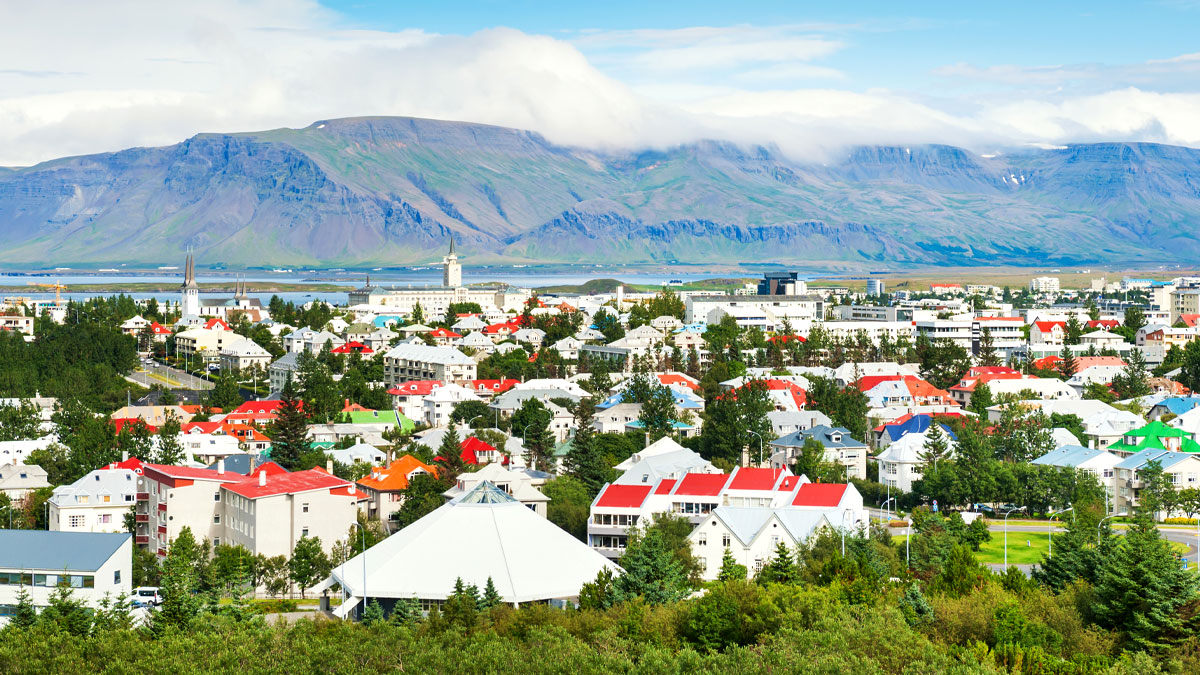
189,273
190,291
451,270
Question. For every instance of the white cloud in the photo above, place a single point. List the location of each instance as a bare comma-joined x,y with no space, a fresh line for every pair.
90,77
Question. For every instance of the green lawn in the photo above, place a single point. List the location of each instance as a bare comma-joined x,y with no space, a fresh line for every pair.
1024,548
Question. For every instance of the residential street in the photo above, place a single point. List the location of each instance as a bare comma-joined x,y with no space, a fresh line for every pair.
167,377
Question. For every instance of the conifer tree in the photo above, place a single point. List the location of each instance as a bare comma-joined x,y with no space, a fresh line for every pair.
449,456
170,451
1142,590
24,614
780,569
491,597
987,355
1068,365
731,570
584,461
289,431
651,571
937,446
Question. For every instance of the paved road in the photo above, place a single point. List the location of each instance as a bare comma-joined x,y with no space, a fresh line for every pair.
167,377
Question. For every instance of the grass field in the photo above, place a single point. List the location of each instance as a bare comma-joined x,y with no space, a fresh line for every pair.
1024,548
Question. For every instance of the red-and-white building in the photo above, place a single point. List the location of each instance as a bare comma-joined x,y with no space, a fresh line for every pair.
267,511
696,496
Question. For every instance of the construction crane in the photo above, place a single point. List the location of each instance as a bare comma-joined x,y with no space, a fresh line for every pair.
58,289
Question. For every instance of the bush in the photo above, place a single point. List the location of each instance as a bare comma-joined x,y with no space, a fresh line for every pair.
277,606
1180,521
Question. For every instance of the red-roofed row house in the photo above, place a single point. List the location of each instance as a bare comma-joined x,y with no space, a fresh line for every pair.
620,506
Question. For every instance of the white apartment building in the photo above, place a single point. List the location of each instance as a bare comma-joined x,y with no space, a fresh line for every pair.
174,497
243,354
268,514
873,330
775,308
406,362
1044,285
94,565
1182,469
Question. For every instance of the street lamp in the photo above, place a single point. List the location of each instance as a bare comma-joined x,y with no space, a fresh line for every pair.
1050,532
345,589
885,507
760,445
1100,524
1006,515
843,528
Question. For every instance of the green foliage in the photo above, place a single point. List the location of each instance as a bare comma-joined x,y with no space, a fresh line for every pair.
422,496
570,501
289,430
584,460
180,582
729,419
942,361
19,422
532,421
847,407
780,569
651,570
225,394
309,564
83,359
731,570
961,574
1142,590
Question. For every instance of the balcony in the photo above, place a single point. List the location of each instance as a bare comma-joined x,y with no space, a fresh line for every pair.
143,496
141,539
162,507
141,517
162,529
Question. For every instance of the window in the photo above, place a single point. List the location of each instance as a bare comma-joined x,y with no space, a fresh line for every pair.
216,541
216,496
726,540
116,576
106,518
75,521
217,519
702,540
304,532
107,499
304,508
82,499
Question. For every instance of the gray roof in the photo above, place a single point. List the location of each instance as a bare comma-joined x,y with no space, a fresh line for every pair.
58,551
1069,455
822,433
668,465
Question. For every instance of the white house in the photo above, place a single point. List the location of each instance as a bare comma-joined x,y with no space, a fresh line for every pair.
97,502
94,565
900,463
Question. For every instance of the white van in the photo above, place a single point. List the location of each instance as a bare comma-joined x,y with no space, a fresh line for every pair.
146,596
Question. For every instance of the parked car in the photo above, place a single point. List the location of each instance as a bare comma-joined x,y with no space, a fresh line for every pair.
147,596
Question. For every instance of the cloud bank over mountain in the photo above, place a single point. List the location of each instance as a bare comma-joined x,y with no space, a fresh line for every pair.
80,78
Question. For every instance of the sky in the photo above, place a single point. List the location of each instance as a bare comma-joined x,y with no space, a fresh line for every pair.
80,77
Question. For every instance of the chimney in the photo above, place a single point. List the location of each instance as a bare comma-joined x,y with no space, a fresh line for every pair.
262,478
329,465
124,455
221,467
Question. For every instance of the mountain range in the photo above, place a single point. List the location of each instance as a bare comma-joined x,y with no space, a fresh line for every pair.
392,191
